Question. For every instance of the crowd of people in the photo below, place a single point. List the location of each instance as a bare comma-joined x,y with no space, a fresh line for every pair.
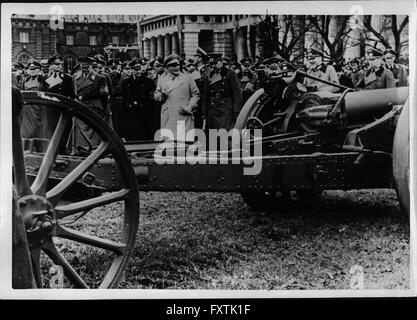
207,91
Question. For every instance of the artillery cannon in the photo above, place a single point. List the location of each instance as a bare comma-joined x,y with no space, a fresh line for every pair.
311,142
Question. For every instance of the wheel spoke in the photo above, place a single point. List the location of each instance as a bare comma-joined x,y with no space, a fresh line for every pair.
50,249
21,181
55,193
40,184
117,247
69,209
35,256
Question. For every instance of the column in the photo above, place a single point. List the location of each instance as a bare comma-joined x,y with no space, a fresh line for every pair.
241,43
153,48
160,46
167,45
147,48
190,42
175,43
218,41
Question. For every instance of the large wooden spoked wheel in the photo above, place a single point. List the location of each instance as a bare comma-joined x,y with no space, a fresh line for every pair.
93,250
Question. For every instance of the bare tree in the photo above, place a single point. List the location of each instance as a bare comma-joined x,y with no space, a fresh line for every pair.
334,36
283,35
394,28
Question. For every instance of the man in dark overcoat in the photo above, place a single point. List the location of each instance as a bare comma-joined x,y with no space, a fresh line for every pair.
137,92
116,99
31,116
376,76
398,70
222,96
59,82
91,90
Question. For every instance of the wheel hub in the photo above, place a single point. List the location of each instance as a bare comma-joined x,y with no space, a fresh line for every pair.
39,218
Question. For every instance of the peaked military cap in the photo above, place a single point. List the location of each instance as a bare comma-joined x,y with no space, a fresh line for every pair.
44,62
18,65
171,57
313,52
34,64
135,62
113,62
389,50
271,60
375,52
54,58
200,52
246,61
225,60
214,56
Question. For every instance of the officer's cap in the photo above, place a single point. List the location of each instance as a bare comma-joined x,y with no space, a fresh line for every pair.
236,64
391,51
201,53
113,62
271,60
54,58
171,58
18,65
34,65
313,53
158,61
214,56
44,62
375,52
225,61
246,61
135,63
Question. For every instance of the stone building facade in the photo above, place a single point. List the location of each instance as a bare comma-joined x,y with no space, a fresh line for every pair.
235,36
36,37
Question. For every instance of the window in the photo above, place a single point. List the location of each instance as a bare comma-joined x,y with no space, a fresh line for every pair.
69,40
24,36
115,39
93,40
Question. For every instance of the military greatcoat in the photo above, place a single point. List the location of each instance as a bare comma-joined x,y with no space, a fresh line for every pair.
377,79
91,90
222,99
182,92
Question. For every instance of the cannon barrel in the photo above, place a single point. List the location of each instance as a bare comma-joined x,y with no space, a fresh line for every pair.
361,105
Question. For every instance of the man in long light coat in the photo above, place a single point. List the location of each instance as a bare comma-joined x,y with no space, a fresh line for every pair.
179,96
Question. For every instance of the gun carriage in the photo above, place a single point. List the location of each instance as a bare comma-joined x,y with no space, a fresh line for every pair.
311,142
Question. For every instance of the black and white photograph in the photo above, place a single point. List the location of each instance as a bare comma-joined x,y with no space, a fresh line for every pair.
214,149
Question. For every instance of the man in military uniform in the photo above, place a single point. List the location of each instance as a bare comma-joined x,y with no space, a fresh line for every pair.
137,92
248,79
31,116
222,96
55,81
376,76
399,72
317,68
200,59
91,90
17,75
116,100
